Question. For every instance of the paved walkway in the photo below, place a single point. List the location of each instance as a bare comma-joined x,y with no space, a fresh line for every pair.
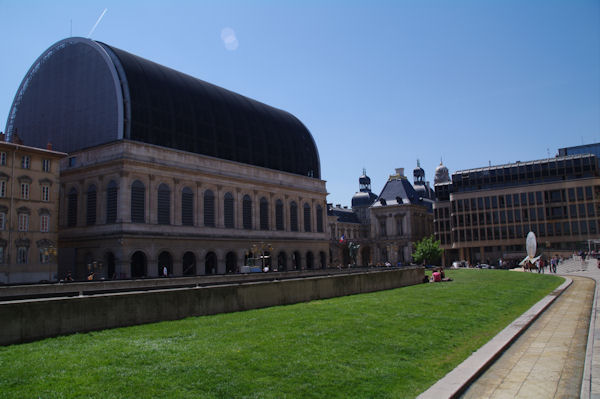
552,359
557,354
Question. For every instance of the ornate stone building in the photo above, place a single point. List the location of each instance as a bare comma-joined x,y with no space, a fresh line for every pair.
29,187
166,170
385,226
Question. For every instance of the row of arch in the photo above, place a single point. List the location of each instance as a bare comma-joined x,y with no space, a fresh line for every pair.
163,209
191,266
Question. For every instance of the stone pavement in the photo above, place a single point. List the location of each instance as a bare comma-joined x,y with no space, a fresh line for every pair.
555,357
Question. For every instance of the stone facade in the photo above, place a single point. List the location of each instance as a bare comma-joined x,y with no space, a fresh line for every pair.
29,191
385,226
132,208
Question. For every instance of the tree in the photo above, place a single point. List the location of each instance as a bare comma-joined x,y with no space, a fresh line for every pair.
427,251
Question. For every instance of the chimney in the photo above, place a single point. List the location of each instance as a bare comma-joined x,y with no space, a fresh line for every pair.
400,172
49,146
2,136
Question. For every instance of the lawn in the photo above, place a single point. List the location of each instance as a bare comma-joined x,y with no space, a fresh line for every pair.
392,344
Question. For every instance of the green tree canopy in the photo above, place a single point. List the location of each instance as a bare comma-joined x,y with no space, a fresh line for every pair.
427,250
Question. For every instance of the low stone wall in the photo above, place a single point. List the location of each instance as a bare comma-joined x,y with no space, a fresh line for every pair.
29,320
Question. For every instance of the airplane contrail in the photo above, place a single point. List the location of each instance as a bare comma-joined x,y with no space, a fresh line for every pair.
97,22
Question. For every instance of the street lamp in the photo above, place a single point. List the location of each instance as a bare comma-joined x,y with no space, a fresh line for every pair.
48,254
261,248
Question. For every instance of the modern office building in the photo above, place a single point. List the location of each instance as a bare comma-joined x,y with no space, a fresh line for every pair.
484,214
166,170
29,187
581,149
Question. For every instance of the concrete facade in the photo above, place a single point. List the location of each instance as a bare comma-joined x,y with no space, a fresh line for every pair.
487,215
28,320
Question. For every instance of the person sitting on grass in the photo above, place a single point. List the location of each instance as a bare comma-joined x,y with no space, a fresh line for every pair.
437,276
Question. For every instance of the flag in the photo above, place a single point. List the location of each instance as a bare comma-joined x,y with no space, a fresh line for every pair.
343,238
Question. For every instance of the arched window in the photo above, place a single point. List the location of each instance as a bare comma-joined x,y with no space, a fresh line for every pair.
319,219
72,208
187,207
90,217
323,259
230,262
189,264
138,264
209,208
264,214
296,261
163,209
228,210
210,263
110,262
279,215
293,216
111,202
306,217
310,260
165,260
282,261
138,202
247,212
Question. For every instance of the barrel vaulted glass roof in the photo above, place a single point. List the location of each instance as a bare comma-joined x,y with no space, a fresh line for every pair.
81,93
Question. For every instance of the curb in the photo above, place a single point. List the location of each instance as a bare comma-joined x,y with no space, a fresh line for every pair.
456,381
593,335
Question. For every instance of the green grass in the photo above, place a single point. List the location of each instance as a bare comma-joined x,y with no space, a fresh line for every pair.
392,344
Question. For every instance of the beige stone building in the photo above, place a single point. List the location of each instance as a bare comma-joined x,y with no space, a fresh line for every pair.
133,208
29,191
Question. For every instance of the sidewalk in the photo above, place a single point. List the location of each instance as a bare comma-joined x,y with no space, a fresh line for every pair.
554,357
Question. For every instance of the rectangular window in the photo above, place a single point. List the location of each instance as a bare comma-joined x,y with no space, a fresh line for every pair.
2,251
44,256
3,158
2,220
25,161
46,165
44,223
22,255
2,188
45,193
572,195
24,190
23,222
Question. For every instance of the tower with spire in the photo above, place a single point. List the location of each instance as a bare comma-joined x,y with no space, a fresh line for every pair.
364,198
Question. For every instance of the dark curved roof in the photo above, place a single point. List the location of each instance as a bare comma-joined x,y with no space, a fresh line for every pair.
81,93
363,199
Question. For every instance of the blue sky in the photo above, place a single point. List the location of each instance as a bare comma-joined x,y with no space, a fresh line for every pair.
379,84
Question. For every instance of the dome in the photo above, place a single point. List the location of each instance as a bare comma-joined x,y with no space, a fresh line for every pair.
363,199
441,174
81,93
419,174
364,179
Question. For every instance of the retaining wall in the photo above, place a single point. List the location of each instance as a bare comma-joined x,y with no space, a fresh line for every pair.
29,320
